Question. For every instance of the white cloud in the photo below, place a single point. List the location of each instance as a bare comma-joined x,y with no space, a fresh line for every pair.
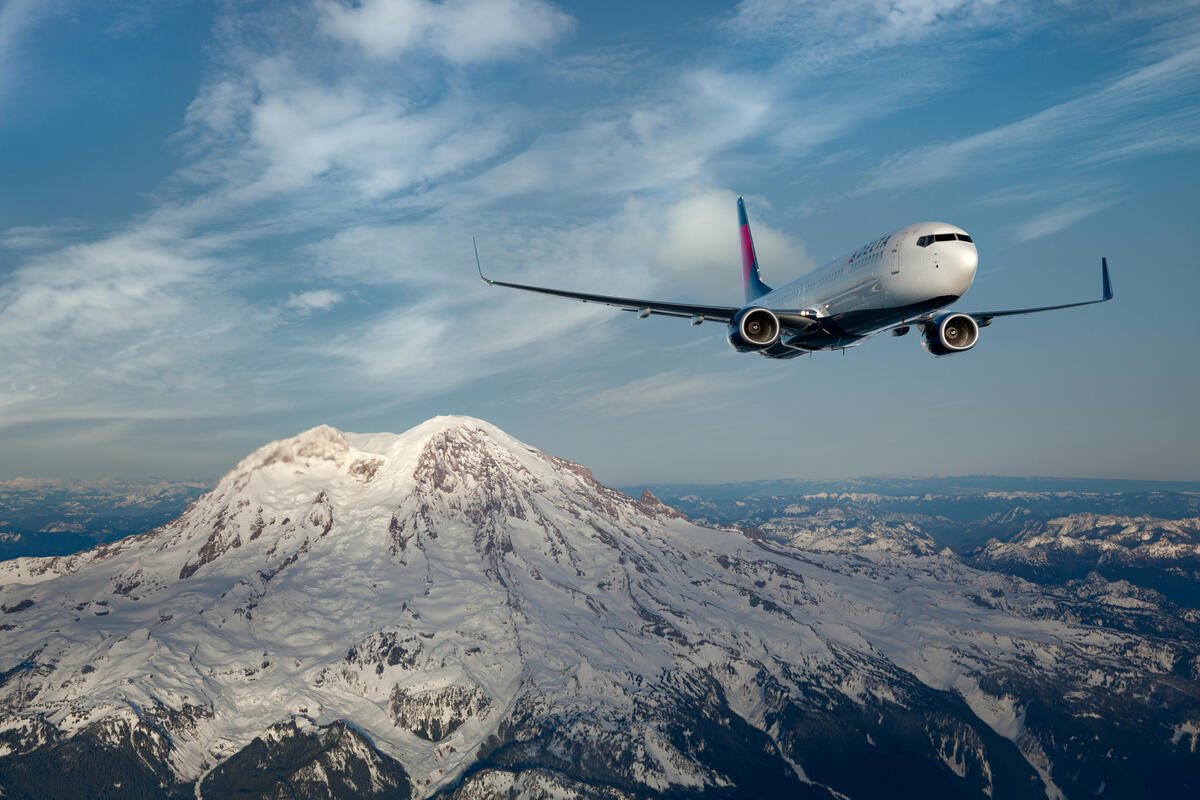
318,300
461,31
1060,218
663,138
699,245
91,290
132,324
219,112
422,254
450,340
35,237
279,131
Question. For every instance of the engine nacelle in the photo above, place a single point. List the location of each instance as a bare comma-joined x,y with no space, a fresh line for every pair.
949,334
753,329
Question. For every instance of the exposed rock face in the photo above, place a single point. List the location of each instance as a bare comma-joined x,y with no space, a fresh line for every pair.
308,764
450,611
434,714
119,756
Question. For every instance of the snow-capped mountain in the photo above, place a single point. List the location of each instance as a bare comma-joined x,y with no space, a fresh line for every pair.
1154,553
963,513
1102,539
450,611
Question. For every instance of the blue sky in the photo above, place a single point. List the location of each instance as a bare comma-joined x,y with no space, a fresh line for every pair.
224,223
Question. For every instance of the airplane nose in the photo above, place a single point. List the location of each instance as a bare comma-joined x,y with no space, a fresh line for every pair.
962,263
970,260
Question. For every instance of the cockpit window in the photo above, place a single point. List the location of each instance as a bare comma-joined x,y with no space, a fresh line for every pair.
925,241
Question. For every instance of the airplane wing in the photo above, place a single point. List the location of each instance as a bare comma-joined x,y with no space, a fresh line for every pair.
985,317
643,307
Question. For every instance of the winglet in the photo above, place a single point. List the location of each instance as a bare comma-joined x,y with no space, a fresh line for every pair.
486,280
752,285
1107,295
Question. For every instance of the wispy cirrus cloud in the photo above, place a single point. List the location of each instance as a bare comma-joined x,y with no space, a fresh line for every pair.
676,390
824,35
1058,205
16,18
277,130
461,31
1087,129
128,324
1156,134
1060,217
316,300
664,136
99,288
36,237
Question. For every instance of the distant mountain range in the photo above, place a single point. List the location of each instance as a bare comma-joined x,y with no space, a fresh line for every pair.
1037,529
452,613
40,517
46,517
963,512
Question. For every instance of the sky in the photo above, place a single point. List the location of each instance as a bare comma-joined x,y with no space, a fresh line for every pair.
225,223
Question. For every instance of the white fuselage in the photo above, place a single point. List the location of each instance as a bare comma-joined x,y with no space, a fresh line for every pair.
911,271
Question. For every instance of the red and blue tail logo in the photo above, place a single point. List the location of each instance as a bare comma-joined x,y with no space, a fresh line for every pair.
751,283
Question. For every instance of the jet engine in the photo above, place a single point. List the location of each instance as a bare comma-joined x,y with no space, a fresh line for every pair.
950,333
753,329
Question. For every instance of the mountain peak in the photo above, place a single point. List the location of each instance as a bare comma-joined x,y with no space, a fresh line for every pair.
324,453
288,501
469,603
322,443
448,422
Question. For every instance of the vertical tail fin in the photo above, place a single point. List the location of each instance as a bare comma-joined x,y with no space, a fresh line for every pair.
751,283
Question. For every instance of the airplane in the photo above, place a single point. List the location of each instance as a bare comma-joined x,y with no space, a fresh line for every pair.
893,283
